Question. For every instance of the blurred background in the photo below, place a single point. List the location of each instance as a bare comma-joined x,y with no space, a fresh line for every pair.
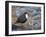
36,17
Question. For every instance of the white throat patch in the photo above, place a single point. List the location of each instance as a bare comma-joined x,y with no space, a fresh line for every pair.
26,16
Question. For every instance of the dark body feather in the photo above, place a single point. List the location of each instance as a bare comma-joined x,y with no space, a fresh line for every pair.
21,19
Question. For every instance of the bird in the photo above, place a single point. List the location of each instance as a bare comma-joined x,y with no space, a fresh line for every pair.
23,18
